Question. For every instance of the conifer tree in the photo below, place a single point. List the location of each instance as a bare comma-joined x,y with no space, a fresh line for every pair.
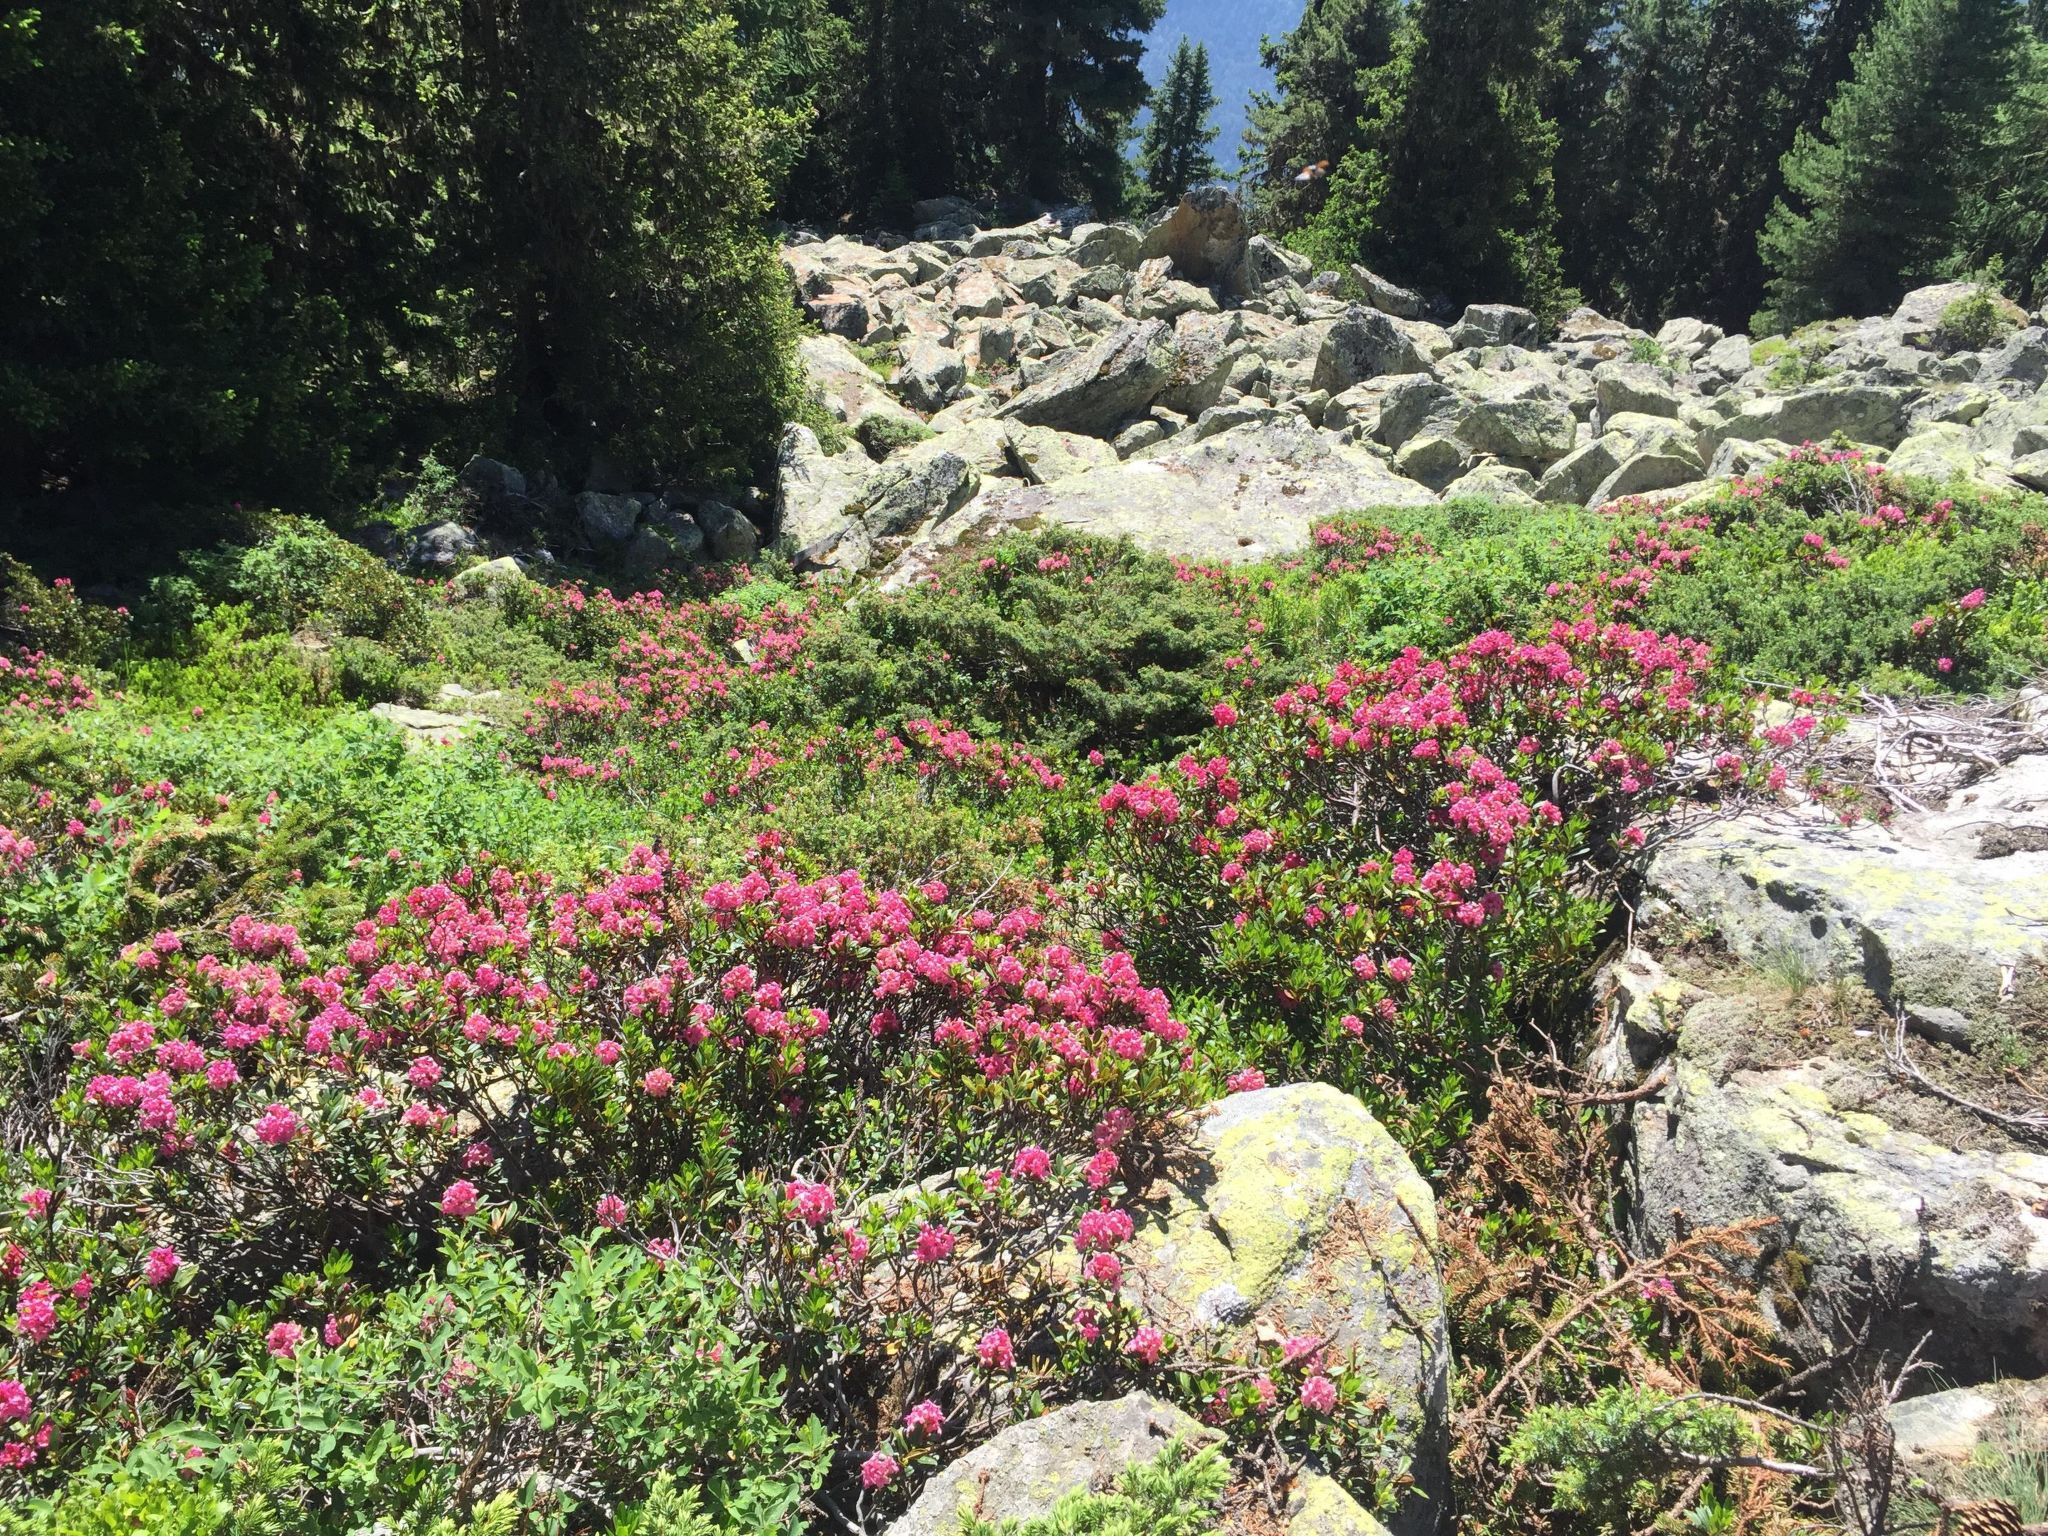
1176,154
1062,83
2005,218
1451,184
1320,75
1872,199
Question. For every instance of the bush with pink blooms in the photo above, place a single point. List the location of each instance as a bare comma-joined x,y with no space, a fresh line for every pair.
1385,870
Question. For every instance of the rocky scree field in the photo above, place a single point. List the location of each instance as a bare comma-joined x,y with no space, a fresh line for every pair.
1230,909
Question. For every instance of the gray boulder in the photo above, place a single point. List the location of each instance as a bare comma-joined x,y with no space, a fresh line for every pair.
1862,1183
1432,460
491,482
1098,390
1363,345
931,375
1495,325
1205,346
1864,413
1403,303
1497,483
1206,237
492,579
1250,493
1635,387
813,492
1641,473
1268,264
1531,433
1096,245
1575,477
728,533
1025,1471
2022,359
1918,922
1409,403
607,519
850,390
441,547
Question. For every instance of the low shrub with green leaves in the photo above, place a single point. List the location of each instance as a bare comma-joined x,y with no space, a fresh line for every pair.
1068,641
1619,1460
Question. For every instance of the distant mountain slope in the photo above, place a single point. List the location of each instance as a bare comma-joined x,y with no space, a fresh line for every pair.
1232,29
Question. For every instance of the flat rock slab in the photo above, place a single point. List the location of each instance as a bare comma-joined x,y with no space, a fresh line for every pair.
1962,1234
1926,926
1247,494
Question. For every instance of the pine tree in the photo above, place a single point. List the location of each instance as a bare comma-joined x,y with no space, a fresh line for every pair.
1647,194
1577,103
1451,184
1176,154
1063,77
1872,198
2005,219
1743,123
1320,75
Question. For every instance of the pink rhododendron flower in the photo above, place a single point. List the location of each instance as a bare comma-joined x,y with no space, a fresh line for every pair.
814,1203
459,1199
1319,1394
284,1339
160,1265
996,1351
15,1403
1031,1163
1146,1344
611,1211
35,1315
277,1125
933,1243
879,1470
925,1419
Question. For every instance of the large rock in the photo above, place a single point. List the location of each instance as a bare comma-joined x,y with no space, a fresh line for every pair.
1864,413
1871,1203
1529,433
1098,390
931,375
1403,303
1205,236
1300,1215
1942,1436
1921,923
1253,492
1495,325
1085,1448
1635,387
1575,477
729,534
813,491
850,390
1204,348
2021,360
610,519
1363,345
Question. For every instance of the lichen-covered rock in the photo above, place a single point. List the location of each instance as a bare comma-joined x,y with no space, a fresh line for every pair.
609,519
1867,1202
1531,433
1494,325
814,490
1023,1472
1629,386
1250,493
1301,1214
1098,390
1927,926
1864,413
1363,345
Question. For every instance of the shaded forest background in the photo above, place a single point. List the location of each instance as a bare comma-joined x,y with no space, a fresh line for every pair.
278,250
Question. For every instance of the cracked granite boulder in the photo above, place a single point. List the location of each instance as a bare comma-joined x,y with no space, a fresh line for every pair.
1298,1214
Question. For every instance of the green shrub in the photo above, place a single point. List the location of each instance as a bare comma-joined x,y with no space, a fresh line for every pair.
1976,321
1071,642
883,435
1822,567
1618,1459
566,1397
1647,349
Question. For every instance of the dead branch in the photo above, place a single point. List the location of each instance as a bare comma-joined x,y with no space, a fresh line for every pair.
1899,1061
